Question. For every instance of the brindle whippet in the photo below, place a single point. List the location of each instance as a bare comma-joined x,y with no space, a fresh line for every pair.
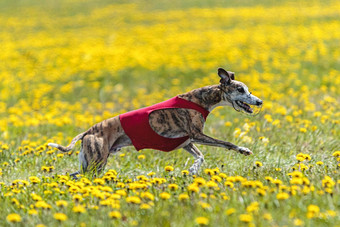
108,136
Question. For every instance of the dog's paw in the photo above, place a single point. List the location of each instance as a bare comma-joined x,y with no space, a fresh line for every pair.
193,170
244,151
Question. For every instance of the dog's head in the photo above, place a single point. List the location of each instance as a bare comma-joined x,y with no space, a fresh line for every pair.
235,93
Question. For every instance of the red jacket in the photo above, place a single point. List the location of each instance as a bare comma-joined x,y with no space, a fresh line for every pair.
136,125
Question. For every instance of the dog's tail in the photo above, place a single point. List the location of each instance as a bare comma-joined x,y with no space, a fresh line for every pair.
70,146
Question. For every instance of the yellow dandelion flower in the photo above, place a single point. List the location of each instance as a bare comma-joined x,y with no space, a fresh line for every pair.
165,195
267,216
229,184
202,221
169,168
173,187
151,174
145,206
34,179
77,198
336,154
147,195
245,218
298,222
183,197
61,203
40,225
193,188
282,196
13,218
230,211
185,172
79,209
141,157
199,181
133,200
303,130
60,216
295,174
258,164
115,214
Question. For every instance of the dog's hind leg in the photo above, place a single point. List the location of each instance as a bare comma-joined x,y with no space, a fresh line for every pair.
82,164
199,158
96,153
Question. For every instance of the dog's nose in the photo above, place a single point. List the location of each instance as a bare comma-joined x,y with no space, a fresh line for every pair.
259,102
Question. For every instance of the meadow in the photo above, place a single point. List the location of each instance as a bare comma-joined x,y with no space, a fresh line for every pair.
66,65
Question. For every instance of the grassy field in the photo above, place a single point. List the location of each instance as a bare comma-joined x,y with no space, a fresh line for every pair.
65,65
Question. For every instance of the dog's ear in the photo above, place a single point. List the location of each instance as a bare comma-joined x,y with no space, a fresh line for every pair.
226,76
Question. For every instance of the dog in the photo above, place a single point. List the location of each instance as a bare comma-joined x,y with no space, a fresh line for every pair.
170,125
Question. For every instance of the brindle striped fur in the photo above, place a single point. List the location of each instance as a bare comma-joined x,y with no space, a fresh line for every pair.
108,136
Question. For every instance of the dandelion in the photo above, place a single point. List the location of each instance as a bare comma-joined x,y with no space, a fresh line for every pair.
202,221
312,211
151,174
34,180
185,172
216,178
183,197
229,184
79,209
297,181
115,215
258,164
261,192
133,200
331,213
40,225
147,195
336,154
169,168
193,188
145,206
298,222
60,216
165,195
212,184
277,182
13,218
282,196
33,212
61,203
205,205
303,130
253,207
247,218
267,216
230,211
77,198
141,157
173,187
296,174
199,181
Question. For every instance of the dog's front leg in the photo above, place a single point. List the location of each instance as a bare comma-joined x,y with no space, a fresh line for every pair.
199,158
200,138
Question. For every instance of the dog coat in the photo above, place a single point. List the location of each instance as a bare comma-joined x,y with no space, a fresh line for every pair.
136,125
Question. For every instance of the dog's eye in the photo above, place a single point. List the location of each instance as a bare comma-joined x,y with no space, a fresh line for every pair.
240,89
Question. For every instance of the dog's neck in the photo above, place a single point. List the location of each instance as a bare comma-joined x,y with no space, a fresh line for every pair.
208,97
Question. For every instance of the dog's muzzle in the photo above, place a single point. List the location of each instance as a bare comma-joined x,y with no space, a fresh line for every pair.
252,109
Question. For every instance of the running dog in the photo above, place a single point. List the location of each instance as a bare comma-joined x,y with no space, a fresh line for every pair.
166,126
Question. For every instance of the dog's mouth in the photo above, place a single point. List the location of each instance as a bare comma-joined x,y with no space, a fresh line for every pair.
244,106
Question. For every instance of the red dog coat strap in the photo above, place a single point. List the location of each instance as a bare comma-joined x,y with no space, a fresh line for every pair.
136,125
